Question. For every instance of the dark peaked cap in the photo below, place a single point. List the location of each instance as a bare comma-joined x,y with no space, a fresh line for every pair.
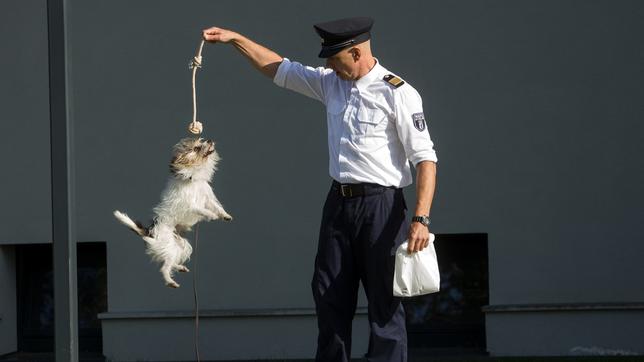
339,34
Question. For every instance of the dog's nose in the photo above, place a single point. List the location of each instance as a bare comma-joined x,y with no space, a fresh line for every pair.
209,141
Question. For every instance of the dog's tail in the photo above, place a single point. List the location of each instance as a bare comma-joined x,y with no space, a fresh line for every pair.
135,226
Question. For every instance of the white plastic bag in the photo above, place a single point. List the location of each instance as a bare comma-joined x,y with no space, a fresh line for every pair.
416,273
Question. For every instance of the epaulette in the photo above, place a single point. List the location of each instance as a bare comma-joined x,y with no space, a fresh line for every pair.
393,80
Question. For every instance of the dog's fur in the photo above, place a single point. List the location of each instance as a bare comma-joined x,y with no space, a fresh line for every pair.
187,199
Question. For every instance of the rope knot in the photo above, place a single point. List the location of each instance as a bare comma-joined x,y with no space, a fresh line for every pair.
195,62
195,127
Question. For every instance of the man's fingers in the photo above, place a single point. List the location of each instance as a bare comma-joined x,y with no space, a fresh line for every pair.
212,34
412,247
212,30
417,244
422,244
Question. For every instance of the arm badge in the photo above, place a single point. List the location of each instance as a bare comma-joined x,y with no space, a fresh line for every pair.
419,121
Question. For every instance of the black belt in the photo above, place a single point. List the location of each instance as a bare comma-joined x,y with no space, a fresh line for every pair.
360,189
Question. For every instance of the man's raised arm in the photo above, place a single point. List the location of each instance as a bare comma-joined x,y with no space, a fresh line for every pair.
262,58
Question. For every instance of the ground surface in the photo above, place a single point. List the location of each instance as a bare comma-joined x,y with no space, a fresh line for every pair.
91,357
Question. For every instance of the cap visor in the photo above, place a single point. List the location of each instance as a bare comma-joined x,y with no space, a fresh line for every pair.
327,52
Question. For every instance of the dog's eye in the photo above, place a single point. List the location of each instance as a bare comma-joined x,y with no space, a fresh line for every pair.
197,148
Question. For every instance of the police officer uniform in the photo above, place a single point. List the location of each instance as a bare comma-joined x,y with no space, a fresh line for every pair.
376,126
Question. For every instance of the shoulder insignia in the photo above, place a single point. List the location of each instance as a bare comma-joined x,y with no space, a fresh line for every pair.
393,80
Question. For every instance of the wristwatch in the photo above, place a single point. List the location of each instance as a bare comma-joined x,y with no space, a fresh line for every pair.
423,219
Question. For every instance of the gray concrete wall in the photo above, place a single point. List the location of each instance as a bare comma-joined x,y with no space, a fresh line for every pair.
535,108
8,340
25,192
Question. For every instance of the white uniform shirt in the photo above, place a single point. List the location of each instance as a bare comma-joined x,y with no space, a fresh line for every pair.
374,128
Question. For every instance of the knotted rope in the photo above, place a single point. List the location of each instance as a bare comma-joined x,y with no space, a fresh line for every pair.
195,126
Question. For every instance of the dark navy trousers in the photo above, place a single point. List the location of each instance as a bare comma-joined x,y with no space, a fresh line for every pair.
358,240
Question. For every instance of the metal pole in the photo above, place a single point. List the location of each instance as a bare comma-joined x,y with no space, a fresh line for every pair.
62,186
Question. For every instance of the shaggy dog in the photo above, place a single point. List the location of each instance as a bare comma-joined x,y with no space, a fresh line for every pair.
186,200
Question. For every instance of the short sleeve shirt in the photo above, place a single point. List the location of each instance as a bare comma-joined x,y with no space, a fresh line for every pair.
374,128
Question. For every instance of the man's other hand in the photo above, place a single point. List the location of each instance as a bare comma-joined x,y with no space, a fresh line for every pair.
418,237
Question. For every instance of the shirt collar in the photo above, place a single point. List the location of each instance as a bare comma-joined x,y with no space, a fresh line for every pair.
368,78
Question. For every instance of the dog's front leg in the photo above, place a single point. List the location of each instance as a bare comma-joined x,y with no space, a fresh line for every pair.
206,213
214,205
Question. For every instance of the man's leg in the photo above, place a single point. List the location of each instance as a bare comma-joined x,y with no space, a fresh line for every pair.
335,284
383,227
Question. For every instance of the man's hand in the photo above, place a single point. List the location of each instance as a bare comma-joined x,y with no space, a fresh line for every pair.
218,35
418,237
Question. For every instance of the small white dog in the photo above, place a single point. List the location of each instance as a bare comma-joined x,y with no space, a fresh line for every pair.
187,199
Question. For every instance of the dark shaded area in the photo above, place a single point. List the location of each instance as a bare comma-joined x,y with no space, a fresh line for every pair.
35,303
451,321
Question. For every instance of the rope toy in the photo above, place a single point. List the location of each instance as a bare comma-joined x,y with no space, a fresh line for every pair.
195,126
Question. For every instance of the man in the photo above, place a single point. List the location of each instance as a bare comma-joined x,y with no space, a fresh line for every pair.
376,127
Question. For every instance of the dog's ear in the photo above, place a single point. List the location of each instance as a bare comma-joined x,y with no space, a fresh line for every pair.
175,164
180,166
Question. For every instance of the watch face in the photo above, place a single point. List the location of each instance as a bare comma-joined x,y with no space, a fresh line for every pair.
421,219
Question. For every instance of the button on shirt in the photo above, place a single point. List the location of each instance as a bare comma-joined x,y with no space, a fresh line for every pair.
374,129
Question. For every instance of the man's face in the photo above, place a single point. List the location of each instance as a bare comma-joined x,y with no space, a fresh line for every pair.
344,64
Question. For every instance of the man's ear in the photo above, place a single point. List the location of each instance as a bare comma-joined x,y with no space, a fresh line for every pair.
355,54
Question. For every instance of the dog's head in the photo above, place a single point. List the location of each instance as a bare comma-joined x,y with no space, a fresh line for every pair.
194,159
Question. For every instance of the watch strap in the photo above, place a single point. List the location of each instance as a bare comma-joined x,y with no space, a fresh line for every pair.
423,219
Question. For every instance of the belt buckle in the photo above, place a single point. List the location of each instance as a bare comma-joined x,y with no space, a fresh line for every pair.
345,190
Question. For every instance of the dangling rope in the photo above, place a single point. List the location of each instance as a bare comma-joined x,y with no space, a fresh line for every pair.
194,289
196,128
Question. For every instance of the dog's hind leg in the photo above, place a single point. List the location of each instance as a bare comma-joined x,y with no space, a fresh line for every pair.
166,271
185,251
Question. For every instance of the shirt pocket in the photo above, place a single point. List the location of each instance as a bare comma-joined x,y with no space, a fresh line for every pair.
369,124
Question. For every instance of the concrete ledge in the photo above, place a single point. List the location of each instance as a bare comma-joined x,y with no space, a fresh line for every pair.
131,337
562,307
217,313
565,330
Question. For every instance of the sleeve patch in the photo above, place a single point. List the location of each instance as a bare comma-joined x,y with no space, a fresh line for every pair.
419,121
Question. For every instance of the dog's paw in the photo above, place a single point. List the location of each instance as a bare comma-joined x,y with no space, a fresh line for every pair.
226,217
182,269
172,284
